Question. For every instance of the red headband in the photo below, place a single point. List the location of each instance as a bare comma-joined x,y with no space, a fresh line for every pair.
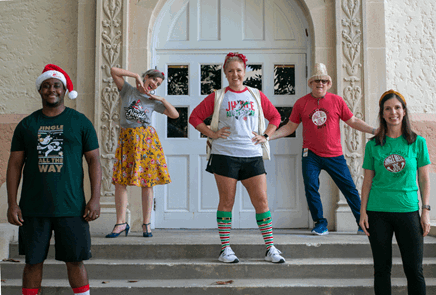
240,55
160,72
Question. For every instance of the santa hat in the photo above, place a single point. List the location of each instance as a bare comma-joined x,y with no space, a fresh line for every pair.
53,71
320,73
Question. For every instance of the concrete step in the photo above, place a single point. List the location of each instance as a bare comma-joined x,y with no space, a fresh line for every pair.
327,268
210,287
193,244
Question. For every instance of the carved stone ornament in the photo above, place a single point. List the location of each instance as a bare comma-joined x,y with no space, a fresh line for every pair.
352,93
111,38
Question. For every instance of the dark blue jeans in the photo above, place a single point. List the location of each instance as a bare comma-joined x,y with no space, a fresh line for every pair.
338,170
408,232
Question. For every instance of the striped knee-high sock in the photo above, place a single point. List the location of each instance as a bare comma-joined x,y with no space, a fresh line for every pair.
264,221
82,290
224,220
26,291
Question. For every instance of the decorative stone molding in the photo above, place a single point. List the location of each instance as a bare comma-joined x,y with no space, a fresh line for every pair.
110,39
351,85
352,93
111,50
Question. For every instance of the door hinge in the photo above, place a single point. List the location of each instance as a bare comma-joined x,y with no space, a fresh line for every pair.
154,204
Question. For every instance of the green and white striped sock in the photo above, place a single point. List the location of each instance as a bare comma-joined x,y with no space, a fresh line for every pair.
224,220
264,221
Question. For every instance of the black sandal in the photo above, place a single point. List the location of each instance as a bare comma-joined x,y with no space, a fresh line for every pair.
114,235
146,234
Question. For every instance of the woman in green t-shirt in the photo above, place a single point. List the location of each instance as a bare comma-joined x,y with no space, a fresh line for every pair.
390,195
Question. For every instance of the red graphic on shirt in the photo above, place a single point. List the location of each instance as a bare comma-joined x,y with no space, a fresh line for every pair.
240,109
232,105
394,163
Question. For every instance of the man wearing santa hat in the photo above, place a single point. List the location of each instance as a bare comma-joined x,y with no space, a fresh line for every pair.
320,112
50,144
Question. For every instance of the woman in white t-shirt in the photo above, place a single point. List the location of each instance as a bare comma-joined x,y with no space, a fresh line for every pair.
236,152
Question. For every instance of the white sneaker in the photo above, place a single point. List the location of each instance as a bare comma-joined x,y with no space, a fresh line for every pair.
273,255
227,255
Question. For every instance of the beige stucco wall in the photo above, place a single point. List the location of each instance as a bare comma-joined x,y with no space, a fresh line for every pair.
411,54
411,60
33,34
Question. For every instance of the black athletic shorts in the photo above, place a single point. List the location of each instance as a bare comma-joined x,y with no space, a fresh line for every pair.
71,235
239,168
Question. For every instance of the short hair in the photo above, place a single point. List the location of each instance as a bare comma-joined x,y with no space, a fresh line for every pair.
154,73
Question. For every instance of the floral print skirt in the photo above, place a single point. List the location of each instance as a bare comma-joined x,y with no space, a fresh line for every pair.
140,160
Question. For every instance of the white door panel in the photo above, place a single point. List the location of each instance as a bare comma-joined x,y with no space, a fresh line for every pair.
193,33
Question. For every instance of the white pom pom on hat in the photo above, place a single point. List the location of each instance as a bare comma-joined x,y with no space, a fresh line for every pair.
53,71
319,73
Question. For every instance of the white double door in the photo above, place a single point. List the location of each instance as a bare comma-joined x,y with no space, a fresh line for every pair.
191,200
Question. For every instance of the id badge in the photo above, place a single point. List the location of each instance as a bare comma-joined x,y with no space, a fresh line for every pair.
305,152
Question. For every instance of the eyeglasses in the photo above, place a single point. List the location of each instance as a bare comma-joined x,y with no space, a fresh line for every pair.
321,81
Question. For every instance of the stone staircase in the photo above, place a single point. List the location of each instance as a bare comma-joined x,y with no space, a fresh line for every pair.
185,262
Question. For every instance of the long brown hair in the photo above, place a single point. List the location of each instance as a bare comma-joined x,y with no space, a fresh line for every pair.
406,130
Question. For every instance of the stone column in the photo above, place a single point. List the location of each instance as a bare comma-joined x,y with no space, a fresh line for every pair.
110,51
349,34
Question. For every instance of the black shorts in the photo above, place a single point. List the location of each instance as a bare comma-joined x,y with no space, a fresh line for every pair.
239,168
71,235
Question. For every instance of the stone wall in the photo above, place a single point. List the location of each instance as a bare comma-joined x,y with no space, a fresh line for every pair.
411,60
411,52
33,34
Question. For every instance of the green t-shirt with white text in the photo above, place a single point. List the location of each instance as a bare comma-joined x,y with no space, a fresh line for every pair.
53,171
395,165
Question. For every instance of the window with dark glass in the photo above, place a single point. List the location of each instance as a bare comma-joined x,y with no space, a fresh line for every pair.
253,76
284,79
210,79
285,113
178,79
206,121
178,128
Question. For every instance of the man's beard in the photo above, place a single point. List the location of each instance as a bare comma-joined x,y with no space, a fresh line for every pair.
53,104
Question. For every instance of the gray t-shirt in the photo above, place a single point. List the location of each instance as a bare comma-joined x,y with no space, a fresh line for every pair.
136,108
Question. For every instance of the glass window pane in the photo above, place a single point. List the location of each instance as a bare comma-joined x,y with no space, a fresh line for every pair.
210,78
284,79
285,112
253,76
206,121
178,128
178,79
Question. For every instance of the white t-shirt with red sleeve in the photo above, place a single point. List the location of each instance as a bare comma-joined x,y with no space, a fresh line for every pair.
240,112
320,117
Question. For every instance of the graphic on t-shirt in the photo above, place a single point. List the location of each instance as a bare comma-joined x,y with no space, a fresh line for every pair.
240,109
319,117
394,163
50,148
135,111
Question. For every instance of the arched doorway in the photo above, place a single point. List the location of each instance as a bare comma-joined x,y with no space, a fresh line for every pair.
189,42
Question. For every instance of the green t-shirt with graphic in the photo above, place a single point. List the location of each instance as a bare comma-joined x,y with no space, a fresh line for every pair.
395,165
53,170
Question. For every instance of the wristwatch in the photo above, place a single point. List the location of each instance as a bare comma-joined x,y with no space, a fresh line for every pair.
426,207
266,136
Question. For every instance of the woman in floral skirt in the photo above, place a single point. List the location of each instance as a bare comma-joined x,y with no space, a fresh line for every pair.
140,160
